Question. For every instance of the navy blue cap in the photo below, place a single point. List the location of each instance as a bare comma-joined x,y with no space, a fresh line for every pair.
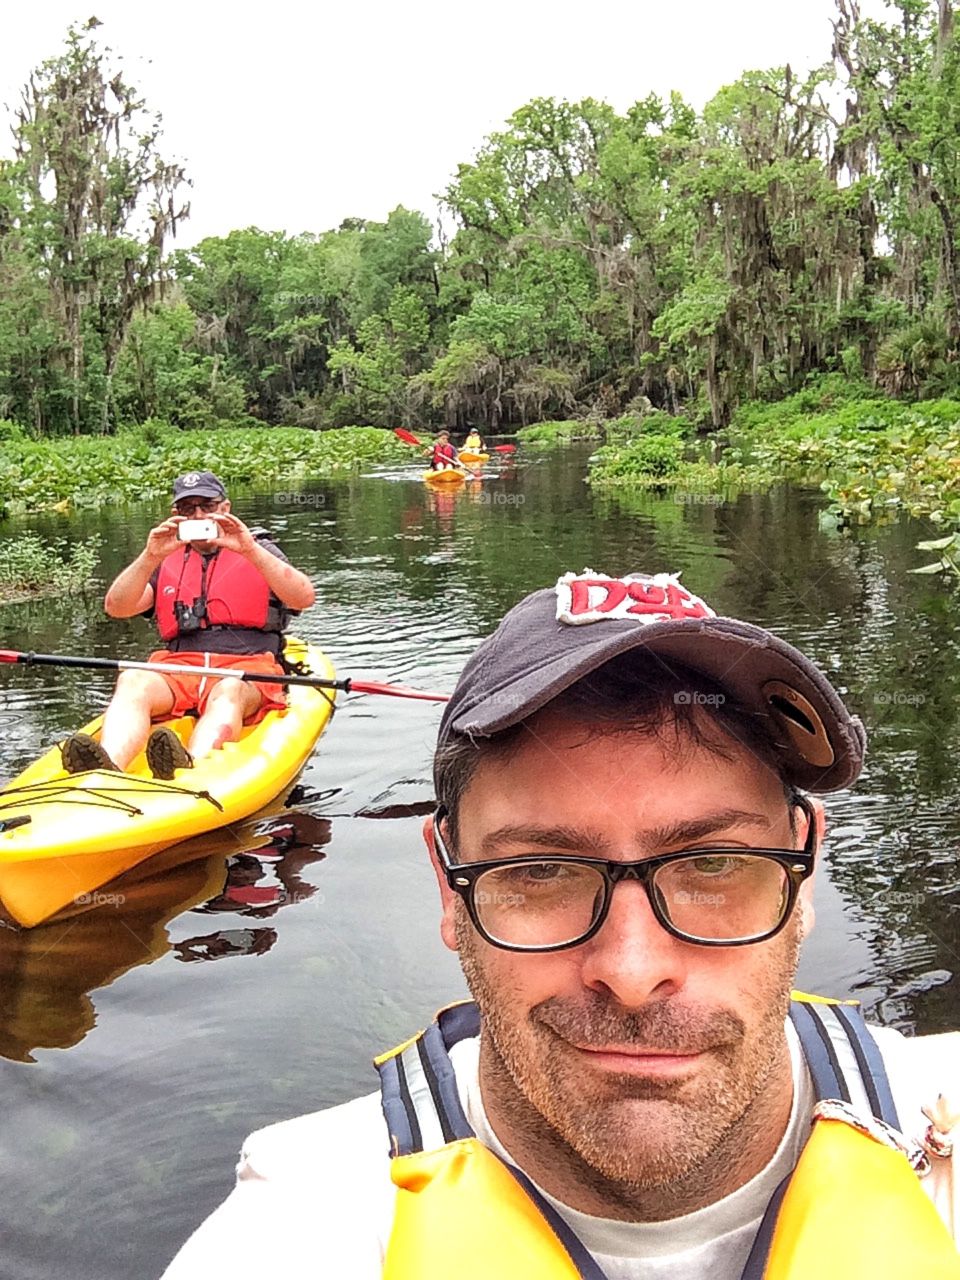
198,484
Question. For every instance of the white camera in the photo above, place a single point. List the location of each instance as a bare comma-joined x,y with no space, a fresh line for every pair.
198,530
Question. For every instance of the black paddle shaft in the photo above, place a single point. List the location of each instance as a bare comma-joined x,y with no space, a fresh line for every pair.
114,664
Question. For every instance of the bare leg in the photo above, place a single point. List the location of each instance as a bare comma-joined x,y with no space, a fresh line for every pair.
227,707
138,697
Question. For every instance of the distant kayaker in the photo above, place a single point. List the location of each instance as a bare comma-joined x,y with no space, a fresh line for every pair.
473,442
625,843
217,602
443,454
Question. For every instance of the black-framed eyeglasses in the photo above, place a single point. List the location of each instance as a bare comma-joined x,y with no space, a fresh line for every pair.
187,506
715,897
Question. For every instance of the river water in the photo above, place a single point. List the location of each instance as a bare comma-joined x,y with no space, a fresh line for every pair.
140,1043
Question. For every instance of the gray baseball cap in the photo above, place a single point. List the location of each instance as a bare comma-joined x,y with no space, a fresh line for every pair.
198,484
558,635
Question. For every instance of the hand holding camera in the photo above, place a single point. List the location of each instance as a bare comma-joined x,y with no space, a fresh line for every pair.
223,530
233,534
198,531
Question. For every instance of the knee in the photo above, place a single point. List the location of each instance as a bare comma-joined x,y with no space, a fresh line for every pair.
229,692
136,685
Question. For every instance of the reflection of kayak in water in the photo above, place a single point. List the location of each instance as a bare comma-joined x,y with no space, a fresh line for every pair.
442,479
68,835
48,973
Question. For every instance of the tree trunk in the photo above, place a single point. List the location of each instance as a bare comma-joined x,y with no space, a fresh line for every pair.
944,32
950,250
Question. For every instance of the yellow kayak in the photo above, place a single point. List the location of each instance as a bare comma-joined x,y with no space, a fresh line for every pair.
467,455
85,829
449,476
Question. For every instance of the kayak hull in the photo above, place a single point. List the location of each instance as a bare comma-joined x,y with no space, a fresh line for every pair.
85,830
467,455
444,479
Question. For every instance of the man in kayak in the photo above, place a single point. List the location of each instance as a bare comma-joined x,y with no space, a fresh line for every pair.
625,844
443,454
222,603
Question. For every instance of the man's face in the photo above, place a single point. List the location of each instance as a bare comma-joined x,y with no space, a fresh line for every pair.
638,1051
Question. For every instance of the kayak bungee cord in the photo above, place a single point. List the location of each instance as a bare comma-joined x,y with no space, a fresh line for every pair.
59,790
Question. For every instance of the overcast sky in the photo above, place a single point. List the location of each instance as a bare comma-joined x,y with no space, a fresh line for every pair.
294,116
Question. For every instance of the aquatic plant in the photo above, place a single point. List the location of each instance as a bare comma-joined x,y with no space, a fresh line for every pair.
139,464
29,566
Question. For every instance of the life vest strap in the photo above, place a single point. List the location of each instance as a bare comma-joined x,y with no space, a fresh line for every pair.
756,1263
584,1261
418,1085
870,1064
843,1057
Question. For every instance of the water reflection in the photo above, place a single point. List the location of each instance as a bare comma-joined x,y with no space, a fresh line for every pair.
47,974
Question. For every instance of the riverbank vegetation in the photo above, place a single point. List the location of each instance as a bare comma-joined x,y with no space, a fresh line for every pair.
554,433
695,260
872,456
138,464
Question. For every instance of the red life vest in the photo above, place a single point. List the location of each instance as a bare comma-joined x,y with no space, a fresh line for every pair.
443,453
234,592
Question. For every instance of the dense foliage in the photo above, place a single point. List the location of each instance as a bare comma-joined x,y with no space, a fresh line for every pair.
139,463
600,261
872,456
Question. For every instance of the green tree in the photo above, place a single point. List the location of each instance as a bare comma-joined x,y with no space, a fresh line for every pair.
97,205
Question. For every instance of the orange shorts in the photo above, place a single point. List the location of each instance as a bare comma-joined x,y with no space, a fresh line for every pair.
190,693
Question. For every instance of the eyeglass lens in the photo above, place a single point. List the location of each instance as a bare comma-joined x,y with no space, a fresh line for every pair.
716,897
189,505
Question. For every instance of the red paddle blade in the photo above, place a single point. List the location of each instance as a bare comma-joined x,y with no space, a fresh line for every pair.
504,448
396,691
10,655
406,436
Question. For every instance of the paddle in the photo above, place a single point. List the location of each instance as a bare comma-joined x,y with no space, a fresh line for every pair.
219,673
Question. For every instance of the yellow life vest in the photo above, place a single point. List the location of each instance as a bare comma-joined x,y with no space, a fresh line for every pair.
852,1209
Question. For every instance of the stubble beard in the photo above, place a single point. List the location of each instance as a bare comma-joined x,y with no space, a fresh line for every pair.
621,1136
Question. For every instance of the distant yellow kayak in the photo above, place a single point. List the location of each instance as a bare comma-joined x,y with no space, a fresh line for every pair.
449,476
85,829
467,455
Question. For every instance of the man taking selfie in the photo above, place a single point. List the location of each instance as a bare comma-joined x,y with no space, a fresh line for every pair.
625,845
220,595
